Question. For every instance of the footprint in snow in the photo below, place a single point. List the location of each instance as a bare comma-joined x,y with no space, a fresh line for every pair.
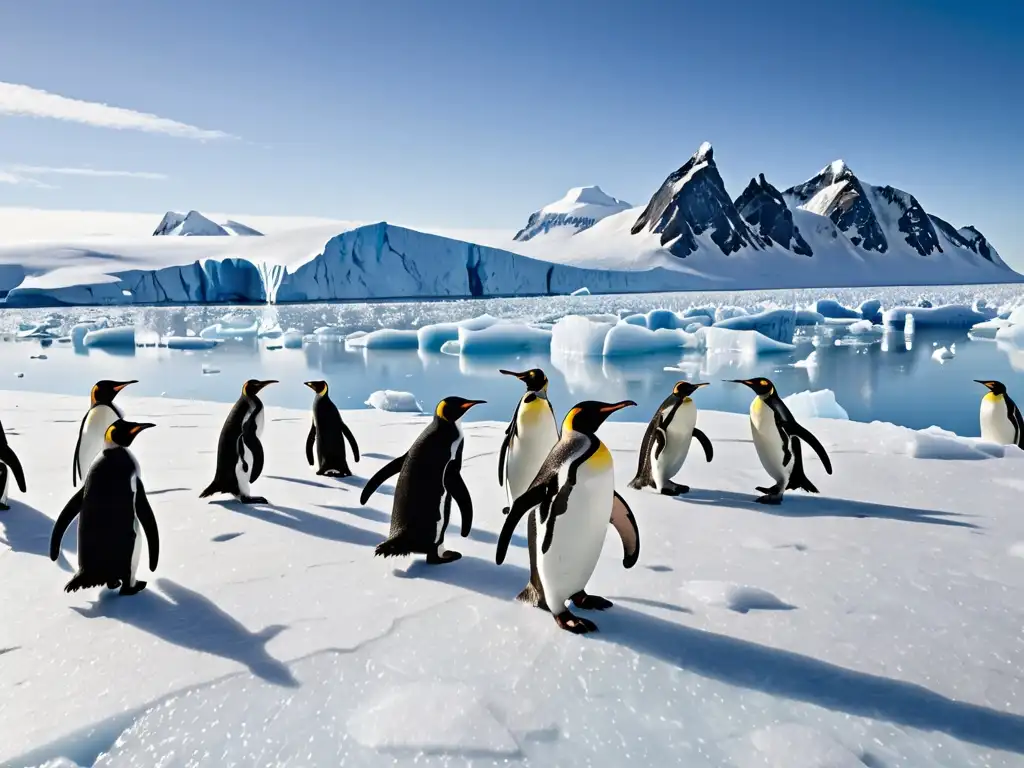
736,597
225,537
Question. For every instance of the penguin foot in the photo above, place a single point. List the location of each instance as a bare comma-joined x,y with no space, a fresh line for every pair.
591,602
505,511
4,508
127,590
575,624
253,500
674,489
532,596
766,491
770,498
450,556
113,584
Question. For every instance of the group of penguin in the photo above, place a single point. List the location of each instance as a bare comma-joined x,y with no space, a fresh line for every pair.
561,476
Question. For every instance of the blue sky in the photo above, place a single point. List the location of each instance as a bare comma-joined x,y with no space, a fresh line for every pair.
462,113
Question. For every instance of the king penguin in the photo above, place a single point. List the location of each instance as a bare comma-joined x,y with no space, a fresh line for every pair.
328,433
9,464
667,442
91,432
112,503
239,450
575,493
777,437
529,436
1001,421
429,478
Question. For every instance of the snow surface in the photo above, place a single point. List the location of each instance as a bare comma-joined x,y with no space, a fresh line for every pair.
876,624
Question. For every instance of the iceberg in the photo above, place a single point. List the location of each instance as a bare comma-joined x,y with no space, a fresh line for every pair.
111,337
624,339
820,404
393,400
385,338
947,316
833,309
190,342
503,338
292,339
776,324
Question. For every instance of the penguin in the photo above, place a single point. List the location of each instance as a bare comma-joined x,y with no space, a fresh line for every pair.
529,436
429,478
667,442
112,503
575,493
326,432
101,414
1001,421
9,464
239,450
777,437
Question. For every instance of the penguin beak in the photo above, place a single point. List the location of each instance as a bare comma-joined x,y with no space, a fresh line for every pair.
617,406
141,427
310,384
122,384
470,403
987,384
519,376
268,382
745,382
702,384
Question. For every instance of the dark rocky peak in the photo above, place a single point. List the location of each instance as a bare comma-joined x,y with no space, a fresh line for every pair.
761,205
691,201
980,245
902,210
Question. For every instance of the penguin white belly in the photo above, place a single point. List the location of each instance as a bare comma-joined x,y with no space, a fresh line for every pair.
579,533
996,426
677,445
5,482
537,435
243,467
768,441
441,522
137,549
94,431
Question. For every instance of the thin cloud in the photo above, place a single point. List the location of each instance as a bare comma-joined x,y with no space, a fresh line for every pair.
39,170
23,100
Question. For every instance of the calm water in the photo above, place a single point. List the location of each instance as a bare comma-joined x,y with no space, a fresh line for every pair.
871,380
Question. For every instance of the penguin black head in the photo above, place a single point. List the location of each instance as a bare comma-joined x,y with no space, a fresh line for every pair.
123,432
320,387
104,392
252,387
534,379
762,387
454,408
687,388
995,387
587,416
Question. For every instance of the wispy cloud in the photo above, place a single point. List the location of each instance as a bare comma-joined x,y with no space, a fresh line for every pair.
41,170
23,100
28,174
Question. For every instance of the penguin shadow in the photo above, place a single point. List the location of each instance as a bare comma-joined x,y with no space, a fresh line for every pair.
301,481
160,491
812,505
182,617
366,513
381,456
756,667
359,482
309,523
24,528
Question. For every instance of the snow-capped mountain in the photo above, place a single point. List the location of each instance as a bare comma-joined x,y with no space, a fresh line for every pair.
691,201
762,206
581,208
194,224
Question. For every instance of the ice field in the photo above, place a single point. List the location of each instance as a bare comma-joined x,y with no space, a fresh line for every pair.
876,624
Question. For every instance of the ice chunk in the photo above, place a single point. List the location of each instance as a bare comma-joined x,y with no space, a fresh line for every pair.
832,308
578,336
946,316
430,717
292,339
393,400
209,369
636,319
123,336
942,354
777,324
190,342
718,339
451,347
909,326
664,318
385,338
806,317
1016,316
871,310
584,291
331,333
810,361
431,338
820,404
861,327
503,338
230,330
625,339
990,329
726,312
936,443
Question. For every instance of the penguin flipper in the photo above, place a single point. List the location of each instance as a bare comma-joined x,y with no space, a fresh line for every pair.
643,469
76,465
625,524
1013,413
705,443
144,512
390,469
252,442
10,458
310,439
456,487
795,430
351,441
510,432
535,495
69,513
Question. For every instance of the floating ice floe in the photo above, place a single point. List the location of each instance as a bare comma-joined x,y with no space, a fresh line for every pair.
947,316
190,342
230,331
776,324
385,338
123,336
503,338
748,343
209,369
432,337
811,361
861,327
393,400
936,443
292,339
627,340
584,291
942,354
990,329
820,404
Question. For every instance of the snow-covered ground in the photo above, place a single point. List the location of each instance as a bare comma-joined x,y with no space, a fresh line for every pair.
877,624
